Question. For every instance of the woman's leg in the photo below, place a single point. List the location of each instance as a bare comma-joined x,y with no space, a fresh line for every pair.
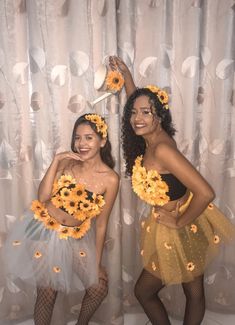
44,306
195,301
91,301
146,291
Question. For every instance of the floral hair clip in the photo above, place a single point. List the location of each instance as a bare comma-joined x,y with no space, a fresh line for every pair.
161,94
100,124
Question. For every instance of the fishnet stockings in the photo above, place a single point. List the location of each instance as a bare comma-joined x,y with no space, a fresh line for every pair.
44,306
195,301
91,301
147,289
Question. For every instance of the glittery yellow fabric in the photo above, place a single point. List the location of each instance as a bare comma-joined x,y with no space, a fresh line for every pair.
177,256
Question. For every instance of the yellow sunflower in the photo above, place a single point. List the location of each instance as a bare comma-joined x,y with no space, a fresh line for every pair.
210,206
100,124
56,269
52,224
148,185
193,228
103,129
71,206
37,254
64,232
79,192
154,267
37,206
65,181
85,205
216,239
154,89
163,97
190,266
16,243
148,229
79,231
98,200
65,194
167,246
57,201
114,81
80,215
43,214
161,94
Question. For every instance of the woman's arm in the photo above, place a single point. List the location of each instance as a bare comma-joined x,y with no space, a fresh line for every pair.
173,161
102,219
58,163
117,64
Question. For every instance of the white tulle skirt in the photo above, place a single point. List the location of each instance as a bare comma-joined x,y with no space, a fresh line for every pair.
37,256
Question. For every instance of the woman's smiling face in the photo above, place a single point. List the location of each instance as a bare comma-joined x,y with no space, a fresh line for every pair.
142,120
87,142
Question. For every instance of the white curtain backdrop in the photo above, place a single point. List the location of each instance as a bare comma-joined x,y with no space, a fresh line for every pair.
49,53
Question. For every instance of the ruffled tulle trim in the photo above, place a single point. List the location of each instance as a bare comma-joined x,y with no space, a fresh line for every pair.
177,256
37,256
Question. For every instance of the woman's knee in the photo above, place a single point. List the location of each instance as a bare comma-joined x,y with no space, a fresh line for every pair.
139,291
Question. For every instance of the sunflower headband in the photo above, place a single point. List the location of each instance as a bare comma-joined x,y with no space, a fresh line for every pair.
161,95
100,124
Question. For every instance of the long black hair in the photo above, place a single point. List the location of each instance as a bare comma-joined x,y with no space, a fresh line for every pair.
134,145
105,152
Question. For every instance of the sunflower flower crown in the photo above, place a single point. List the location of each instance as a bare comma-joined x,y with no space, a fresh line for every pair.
100,124
114,81
161,95
148,185
75,200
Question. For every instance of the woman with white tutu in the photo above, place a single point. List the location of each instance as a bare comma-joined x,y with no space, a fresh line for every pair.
58,245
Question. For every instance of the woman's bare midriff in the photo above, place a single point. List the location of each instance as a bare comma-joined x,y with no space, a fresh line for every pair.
171,205
61,216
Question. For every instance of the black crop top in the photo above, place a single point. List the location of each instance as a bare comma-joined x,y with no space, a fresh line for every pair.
176,188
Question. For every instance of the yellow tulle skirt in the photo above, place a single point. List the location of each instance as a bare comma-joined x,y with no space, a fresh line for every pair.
180,255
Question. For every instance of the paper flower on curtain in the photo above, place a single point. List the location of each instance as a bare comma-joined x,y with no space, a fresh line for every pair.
161,94
114,81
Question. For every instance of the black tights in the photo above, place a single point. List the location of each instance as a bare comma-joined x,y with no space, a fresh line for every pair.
147,289
46,299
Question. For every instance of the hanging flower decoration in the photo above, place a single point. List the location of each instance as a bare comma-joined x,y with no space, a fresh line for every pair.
114,81
148,185
161,94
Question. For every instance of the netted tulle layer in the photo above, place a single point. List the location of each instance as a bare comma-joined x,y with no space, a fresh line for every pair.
39,257
177,256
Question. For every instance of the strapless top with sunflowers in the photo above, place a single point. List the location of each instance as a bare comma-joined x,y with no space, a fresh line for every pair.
74,199
153,187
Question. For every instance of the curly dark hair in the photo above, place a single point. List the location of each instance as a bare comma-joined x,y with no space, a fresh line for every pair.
105,152
134,145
